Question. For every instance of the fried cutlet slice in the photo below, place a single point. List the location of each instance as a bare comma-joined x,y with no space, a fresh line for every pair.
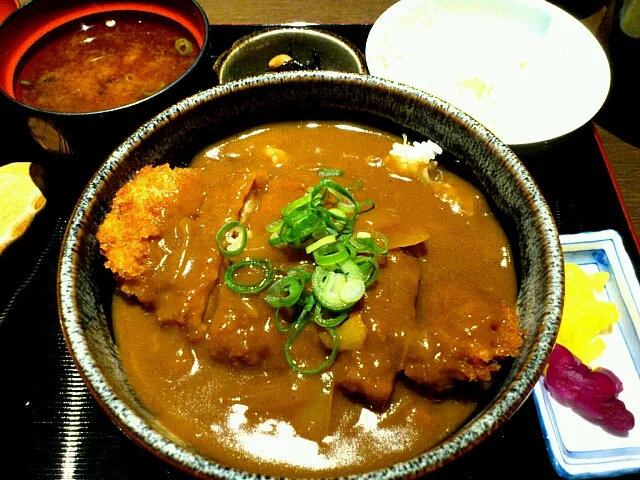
160,239
464,343
138,213
389,313
191,267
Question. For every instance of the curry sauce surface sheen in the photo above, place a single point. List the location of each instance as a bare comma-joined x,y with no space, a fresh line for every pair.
253,412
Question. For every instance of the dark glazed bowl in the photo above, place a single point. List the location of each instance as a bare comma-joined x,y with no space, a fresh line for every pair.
85,288
314,49
90,135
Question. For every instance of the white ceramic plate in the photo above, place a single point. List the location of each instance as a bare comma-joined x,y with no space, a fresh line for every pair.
526,69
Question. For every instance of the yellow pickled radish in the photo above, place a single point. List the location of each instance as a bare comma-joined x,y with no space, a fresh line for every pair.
585,317
21,198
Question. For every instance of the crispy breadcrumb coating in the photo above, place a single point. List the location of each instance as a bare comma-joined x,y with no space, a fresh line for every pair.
465,343
137,214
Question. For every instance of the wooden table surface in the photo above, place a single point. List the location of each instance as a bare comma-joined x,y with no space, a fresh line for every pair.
624,157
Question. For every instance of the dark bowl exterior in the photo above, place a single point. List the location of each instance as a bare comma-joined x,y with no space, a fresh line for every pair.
89,137
85,287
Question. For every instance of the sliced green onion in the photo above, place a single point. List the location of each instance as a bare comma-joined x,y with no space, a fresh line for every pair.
332,231
300,202
320,232
286,291
274,226
375,244
237,243
298,225
306,274
330,172
326,185
299,326
183,46
338,212
308,302
254,287
366,206
331,254
275,240
351,291
369,269
323,285
381,242
319,243
350,206
327,287
337,221
328,322
304,267
25,83
322,221
281,328
350,268
148,93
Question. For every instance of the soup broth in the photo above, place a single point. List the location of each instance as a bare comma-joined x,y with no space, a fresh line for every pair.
104,61
441,312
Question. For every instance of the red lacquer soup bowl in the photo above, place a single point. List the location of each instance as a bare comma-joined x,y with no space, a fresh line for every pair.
78,76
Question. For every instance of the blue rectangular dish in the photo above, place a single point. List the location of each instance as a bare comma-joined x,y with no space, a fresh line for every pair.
578,448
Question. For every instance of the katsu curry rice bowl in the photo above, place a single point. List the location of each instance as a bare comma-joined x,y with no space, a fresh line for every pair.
310,275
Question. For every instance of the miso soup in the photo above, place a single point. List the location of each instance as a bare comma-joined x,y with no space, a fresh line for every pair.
104,61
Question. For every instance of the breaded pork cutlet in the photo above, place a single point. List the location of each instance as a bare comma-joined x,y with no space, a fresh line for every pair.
138,213
465,343
160,239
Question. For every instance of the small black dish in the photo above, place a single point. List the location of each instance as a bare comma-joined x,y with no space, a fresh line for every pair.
286,49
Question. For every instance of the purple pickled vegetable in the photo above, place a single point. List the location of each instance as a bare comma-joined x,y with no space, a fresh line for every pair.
612,376
595,392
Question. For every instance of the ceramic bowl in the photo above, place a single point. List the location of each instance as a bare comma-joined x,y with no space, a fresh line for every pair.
85,288
91,135
310,48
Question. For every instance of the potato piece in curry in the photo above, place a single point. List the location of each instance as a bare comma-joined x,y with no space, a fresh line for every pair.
229,374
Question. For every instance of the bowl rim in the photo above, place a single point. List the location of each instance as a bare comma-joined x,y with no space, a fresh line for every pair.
494,415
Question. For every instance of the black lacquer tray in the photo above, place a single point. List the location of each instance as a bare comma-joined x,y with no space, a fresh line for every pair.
53,428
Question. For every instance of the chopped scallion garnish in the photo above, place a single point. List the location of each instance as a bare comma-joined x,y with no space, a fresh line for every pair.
297,328
234,234
274,226
183,46
320,243
286,291
300,202
322,222
254,287
331,254
328,322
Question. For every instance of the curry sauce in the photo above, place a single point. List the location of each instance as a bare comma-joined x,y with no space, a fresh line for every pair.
209,362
